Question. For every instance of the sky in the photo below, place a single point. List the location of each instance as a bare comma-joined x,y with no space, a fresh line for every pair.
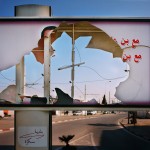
87,8
89,75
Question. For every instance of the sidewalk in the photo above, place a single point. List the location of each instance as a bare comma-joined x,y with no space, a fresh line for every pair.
7,124
65,118
141,128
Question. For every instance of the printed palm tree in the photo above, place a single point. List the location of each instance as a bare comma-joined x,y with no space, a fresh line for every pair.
66,139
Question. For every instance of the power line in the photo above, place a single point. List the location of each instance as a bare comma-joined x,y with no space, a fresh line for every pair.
78,53
30,85
102,76
6,78
4,83
79,89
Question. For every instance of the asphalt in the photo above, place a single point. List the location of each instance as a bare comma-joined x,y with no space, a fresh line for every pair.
140,129
7,124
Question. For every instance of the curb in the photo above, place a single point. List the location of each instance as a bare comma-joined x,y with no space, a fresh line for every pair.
5,130
134,133
54,122
75,119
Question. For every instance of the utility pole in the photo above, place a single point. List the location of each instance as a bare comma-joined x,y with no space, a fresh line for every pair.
73,64
109,97
85,111
109,93
85,93
73,60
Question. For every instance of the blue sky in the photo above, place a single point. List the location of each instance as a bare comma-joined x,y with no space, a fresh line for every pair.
76,8
97,8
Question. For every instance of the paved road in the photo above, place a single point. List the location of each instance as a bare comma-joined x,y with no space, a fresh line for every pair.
7,138
7,131
7,123
98,133
102,133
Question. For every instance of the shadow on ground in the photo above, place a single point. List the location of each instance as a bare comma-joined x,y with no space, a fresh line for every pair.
141,131
57,147
7,147
121,140
111,139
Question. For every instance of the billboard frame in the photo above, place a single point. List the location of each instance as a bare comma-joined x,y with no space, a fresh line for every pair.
50,107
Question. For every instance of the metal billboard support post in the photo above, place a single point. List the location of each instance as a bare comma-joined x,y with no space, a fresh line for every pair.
29,124
46,68
19,79
47,64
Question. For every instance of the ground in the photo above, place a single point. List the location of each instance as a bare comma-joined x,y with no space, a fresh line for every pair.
141,128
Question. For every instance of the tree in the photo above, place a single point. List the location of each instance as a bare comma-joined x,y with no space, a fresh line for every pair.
104,102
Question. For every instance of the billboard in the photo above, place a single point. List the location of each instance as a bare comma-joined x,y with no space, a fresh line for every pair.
118,52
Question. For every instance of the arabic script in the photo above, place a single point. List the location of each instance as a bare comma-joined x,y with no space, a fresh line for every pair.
137,58
32,136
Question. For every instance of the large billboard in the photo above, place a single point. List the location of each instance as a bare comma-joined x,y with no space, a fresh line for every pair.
125,40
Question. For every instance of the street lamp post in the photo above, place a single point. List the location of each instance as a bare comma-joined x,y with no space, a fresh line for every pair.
109,93
85,94
109,97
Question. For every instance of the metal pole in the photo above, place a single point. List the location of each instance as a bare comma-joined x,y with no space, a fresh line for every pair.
50,130
50,50
85,93
109,97
85,100
73,59
19,79
109,92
